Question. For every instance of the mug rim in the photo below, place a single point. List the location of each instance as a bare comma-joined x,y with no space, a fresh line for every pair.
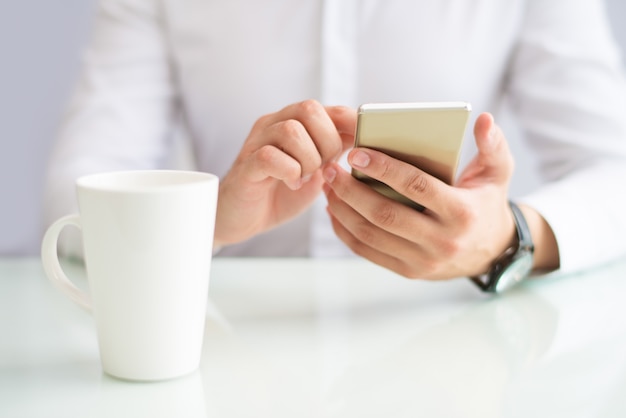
144,180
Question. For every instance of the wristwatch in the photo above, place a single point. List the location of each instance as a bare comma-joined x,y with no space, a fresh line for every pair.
515,264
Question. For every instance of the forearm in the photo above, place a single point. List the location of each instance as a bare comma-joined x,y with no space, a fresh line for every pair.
585,213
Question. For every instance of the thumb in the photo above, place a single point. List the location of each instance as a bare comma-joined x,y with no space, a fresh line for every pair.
494,162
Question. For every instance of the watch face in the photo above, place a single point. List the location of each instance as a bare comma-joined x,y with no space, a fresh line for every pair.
515,272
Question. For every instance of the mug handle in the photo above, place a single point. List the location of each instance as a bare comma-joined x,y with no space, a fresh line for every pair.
51,265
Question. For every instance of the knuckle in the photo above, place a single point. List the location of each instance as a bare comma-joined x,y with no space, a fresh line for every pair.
417,184
310,106
365,234
266,155
464,216
268,160
384,215
386,171
290,128
449,248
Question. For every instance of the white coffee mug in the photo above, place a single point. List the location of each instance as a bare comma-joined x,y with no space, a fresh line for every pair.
147,240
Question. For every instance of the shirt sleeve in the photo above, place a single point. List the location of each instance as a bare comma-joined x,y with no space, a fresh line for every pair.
123,107
569,92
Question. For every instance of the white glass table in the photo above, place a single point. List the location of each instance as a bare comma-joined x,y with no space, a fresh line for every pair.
334,338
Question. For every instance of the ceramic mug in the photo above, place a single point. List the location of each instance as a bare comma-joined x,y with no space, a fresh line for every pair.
147,241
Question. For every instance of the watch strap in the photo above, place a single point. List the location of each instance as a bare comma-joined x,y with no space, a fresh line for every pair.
523,230
488,281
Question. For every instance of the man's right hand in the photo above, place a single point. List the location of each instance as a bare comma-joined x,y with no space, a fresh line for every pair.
278,172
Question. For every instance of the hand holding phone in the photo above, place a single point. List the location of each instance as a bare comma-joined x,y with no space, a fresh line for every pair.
426,135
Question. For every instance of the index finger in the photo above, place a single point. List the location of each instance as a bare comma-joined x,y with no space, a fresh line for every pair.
318,124
344,119
404,178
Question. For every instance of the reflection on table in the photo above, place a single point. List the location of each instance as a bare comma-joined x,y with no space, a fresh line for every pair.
335,338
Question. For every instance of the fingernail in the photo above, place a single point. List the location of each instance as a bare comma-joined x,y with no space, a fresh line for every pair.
306,178
295,185
329,174
360,159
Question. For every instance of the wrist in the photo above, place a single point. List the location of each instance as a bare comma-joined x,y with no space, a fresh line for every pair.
546,256
507,238
515,263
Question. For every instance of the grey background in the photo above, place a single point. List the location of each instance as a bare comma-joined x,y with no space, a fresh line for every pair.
40,49
40,44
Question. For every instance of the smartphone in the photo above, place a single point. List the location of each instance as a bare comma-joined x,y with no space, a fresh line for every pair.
427,135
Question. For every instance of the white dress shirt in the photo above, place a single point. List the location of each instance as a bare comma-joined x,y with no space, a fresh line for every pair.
214,67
